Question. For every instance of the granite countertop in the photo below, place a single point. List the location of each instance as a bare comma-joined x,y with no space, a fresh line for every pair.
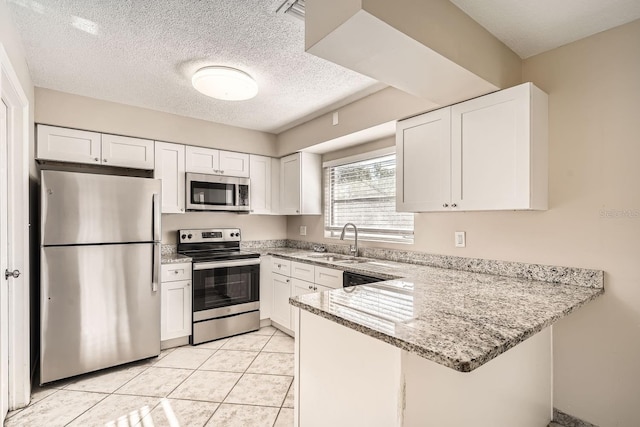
459,319
174,258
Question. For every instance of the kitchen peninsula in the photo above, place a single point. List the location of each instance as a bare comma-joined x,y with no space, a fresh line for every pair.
434,347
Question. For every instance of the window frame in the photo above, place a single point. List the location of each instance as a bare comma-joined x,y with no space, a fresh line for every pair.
364,233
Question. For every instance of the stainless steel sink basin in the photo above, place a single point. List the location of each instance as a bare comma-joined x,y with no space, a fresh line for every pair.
329,257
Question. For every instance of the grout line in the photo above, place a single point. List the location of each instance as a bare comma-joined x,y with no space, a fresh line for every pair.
89,408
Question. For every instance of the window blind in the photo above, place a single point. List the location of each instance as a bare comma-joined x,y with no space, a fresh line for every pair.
364,192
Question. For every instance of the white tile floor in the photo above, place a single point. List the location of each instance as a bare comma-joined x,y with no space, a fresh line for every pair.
242,381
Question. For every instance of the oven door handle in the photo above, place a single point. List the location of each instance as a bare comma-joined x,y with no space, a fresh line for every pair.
225,264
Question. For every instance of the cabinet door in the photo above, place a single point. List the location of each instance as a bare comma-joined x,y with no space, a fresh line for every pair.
290,185
202,160
423,162
275,186
490,151
170,169
68,145
266,291
234,164
310,184
260,175
127,152
175,313
280,310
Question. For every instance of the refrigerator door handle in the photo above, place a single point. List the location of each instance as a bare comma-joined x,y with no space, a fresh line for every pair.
157,218
155,273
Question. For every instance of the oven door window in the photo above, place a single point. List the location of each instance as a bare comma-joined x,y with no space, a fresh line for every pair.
222,287
213,193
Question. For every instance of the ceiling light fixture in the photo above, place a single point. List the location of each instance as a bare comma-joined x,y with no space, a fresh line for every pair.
226,83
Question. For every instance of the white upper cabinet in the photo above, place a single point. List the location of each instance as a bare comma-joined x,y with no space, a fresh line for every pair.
234,164
496,146
170,168
79,146
68,145
423,162
217,162
127,152
300,184
265,182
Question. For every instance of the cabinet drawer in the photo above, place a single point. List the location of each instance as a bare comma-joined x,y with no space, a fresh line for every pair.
328,277
174,272
303,271
281,266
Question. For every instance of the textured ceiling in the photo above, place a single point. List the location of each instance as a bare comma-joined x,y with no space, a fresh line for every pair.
143,53
530,27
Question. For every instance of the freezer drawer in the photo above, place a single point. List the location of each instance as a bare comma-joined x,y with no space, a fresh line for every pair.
81,208
98,308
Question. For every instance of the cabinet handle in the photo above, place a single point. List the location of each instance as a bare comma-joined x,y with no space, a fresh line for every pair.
104,160
446,205
287,280
222,172
181,209
310,287
96,159
453,205
188,284
297,211
175,271
315,288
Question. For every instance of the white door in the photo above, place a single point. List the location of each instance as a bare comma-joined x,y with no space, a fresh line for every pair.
4,294
280,311
176,311
14,240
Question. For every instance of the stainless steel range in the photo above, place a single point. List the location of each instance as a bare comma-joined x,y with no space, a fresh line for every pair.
226,283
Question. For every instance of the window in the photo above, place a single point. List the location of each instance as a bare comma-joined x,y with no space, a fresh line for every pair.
362,190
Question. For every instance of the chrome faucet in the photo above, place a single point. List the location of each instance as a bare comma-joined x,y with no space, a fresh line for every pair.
353,249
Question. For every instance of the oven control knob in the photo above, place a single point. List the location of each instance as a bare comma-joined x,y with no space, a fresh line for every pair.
184,236
190,236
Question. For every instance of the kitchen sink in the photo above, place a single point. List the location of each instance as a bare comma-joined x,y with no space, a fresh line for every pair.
330,257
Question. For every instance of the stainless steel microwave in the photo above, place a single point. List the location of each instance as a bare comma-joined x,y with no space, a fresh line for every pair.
217,193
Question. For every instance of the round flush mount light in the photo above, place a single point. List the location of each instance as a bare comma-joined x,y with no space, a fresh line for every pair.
226,83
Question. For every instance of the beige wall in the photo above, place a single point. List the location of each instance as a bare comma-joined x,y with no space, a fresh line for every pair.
65,109
594,137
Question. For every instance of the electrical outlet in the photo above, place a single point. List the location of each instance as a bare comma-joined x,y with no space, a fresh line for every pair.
303,230
460,239
336,120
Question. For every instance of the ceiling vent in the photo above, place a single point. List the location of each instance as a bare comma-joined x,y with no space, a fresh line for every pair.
293,8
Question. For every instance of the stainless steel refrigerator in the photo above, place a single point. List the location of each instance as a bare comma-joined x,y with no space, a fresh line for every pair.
100,272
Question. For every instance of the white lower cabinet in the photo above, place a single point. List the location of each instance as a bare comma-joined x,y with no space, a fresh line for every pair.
280,310
175,297
291,279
